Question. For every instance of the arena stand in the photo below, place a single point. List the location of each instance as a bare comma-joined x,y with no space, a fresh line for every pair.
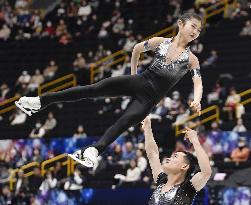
222,37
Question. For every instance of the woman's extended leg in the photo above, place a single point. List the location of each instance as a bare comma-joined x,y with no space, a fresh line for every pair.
109,87
136,112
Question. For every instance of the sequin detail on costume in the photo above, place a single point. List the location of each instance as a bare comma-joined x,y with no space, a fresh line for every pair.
146,46
182,194
163,75
195,72
163,198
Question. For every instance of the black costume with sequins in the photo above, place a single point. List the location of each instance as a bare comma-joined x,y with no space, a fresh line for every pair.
146,90
182,194
163,76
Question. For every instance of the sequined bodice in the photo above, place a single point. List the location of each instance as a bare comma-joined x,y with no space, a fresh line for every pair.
164,75
163,198
177,195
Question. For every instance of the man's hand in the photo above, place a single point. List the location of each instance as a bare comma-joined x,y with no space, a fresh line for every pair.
196,107
146,124
191,135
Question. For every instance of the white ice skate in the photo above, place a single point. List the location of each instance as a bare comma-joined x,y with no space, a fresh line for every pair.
29,105
88,158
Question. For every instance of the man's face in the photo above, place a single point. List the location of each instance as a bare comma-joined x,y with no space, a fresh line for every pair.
175,163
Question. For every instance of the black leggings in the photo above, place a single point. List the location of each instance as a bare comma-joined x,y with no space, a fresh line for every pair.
144,99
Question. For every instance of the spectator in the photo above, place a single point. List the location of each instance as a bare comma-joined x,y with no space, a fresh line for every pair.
119,26
4,92
72,9
37,155
6,196
239,127
35,181
128,152
65,38
35,19
59,173
141,160
22,4
239,110
197,47
18,118
175,98
159,112
79,63
24,79
179,146
132,175
213,140
130,43
49,182
118,71
215,127
124,103
85,9
246,30
50,71
50,123
232,101
103,32
240,153
61,11
49,30
213,97
38,131
238,10
20,35
115,156
21,186
75,182
4,171
182,116
27,31
38,30
80,133
61,28
36,80
5,32
211,60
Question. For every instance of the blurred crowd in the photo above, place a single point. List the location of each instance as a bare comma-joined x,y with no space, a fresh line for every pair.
78,18
126,156
84,18
124,164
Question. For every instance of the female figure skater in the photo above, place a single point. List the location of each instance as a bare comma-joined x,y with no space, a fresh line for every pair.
176,178
172,61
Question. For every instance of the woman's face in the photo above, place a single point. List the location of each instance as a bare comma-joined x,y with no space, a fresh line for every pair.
175,163
133,163
191,29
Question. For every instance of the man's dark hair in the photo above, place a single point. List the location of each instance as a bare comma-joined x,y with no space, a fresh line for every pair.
193,164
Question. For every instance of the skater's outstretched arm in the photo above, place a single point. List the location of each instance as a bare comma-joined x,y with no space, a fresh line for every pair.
197,81
200,179
151,148
143,46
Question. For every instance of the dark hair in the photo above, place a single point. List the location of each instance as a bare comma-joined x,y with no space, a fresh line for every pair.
193,165
188,16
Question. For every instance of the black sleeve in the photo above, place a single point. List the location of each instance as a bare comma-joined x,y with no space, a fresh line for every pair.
195,72
162,178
